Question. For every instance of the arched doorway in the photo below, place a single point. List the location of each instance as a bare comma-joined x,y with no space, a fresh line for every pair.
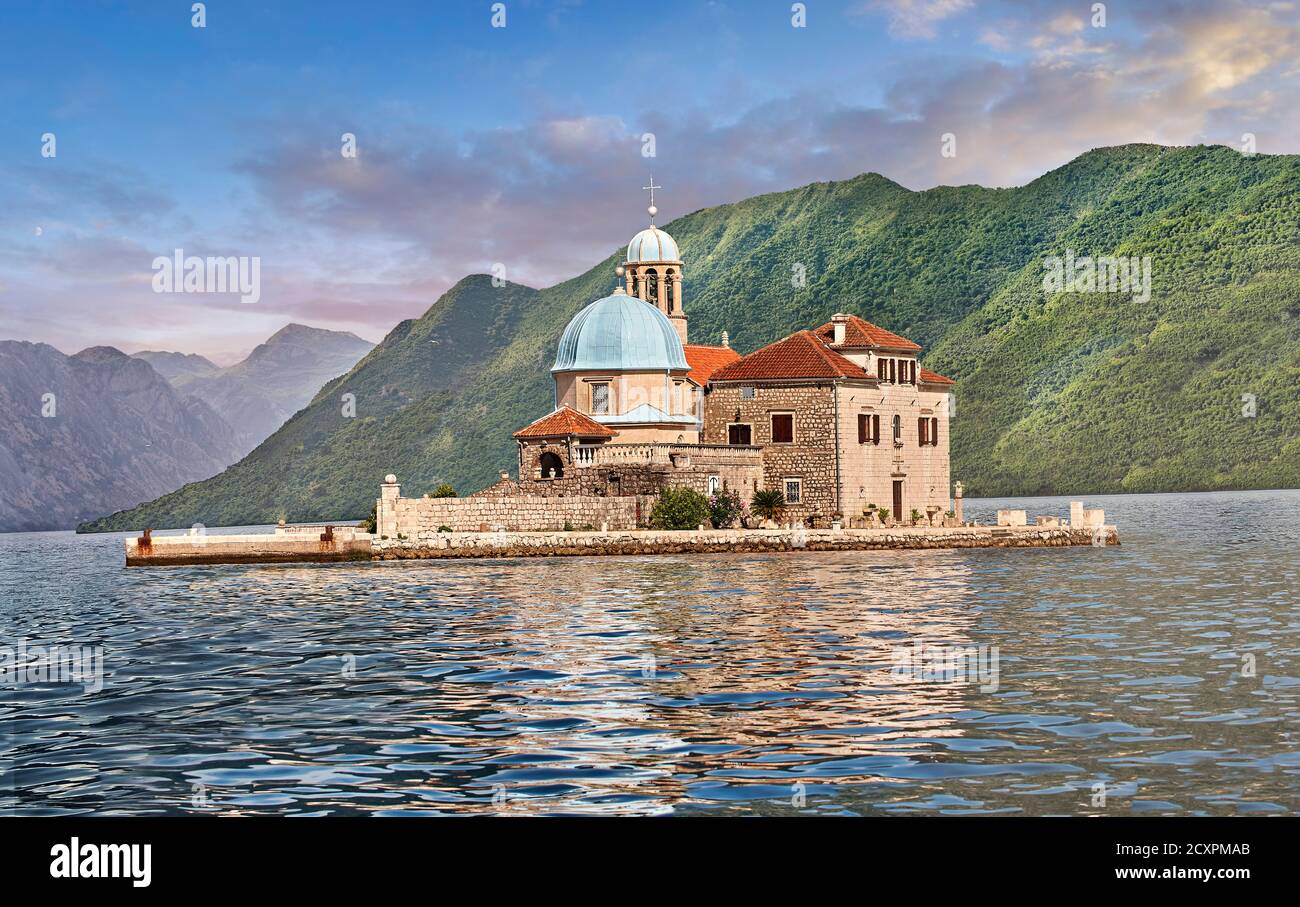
552,466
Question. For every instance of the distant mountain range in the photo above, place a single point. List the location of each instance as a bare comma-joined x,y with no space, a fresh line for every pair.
85,435
278,378
1058,391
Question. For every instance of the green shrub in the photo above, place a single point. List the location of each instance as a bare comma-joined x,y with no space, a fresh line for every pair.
916,516
768,504
884,515
725,508
443,491
444,529
368,524
680,508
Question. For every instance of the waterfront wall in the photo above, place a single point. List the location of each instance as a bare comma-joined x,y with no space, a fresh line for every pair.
560,544
422,518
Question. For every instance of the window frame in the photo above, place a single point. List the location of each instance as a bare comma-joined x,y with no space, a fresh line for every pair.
786,481
591,397
713,484
749,426
748,392
771,425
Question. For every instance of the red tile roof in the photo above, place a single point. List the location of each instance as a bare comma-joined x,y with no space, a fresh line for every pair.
563,422
705,360
929,377
801,355
859,332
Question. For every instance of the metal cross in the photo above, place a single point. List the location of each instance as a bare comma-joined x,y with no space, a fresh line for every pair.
652,187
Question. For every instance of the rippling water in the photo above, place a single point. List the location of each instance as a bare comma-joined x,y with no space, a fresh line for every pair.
689,684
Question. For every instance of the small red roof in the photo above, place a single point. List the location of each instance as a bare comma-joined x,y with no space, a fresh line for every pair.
859,332
705,360
562,423
929,377
801,355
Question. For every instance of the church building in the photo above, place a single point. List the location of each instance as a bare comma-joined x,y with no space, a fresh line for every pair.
840,418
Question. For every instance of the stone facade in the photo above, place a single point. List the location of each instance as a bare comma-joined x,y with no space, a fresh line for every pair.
421,518
810,457
636,469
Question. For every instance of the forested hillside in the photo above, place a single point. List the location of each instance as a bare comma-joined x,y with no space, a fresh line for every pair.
1065,392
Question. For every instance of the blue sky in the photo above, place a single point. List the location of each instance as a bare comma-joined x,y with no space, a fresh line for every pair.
522,145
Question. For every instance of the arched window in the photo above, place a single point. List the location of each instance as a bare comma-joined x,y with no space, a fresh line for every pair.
672,290
636,284
552,466
652,286
898,429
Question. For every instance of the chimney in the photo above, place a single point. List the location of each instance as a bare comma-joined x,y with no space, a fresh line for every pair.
841,321
724,340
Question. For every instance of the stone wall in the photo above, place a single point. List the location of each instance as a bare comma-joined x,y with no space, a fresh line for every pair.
688,466
555,544
811,458
421,518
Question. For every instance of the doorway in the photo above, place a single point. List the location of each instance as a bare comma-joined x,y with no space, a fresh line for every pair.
898,499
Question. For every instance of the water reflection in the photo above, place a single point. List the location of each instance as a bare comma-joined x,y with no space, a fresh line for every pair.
673,684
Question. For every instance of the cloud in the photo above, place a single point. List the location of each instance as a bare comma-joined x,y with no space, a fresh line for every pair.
916,18
358,244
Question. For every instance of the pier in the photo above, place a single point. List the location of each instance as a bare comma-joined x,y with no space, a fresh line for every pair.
292,545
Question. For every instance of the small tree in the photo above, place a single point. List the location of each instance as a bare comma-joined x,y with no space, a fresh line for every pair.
884,515
916,516
443,491
368,524
680,508
724,509
768,504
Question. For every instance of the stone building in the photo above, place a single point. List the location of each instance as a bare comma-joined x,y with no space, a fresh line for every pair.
841,419
847,420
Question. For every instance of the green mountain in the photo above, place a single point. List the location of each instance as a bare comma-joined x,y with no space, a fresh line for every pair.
1059,392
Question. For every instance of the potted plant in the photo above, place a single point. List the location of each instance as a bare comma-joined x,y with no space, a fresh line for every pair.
883,513
916,516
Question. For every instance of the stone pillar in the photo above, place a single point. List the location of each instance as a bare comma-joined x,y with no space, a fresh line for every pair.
956,502
1076,515
386,511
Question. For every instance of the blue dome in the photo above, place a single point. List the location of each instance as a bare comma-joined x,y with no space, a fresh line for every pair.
619,333
652,244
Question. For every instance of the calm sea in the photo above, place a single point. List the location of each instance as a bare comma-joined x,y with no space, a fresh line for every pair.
1160,677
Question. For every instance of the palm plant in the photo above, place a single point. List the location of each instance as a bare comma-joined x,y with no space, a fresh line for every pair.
768,504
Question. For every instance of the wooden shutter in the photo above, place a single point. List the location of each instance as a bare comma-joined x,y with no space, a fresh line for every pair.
875,429
922,427
934,432
864,430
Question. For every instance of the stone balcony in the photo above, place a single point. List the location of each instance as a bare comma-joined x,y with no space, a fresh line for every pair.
680,455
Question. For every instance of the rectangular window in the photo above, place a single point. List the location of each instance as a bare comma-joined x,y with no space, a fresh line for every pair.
793,491
922,429
882,369
747,392
864,428
782,428
893,371
739,434
600,399
715,483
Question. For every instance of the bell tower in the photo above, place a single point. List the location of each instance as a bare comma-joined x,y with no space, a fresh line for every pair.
654,269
